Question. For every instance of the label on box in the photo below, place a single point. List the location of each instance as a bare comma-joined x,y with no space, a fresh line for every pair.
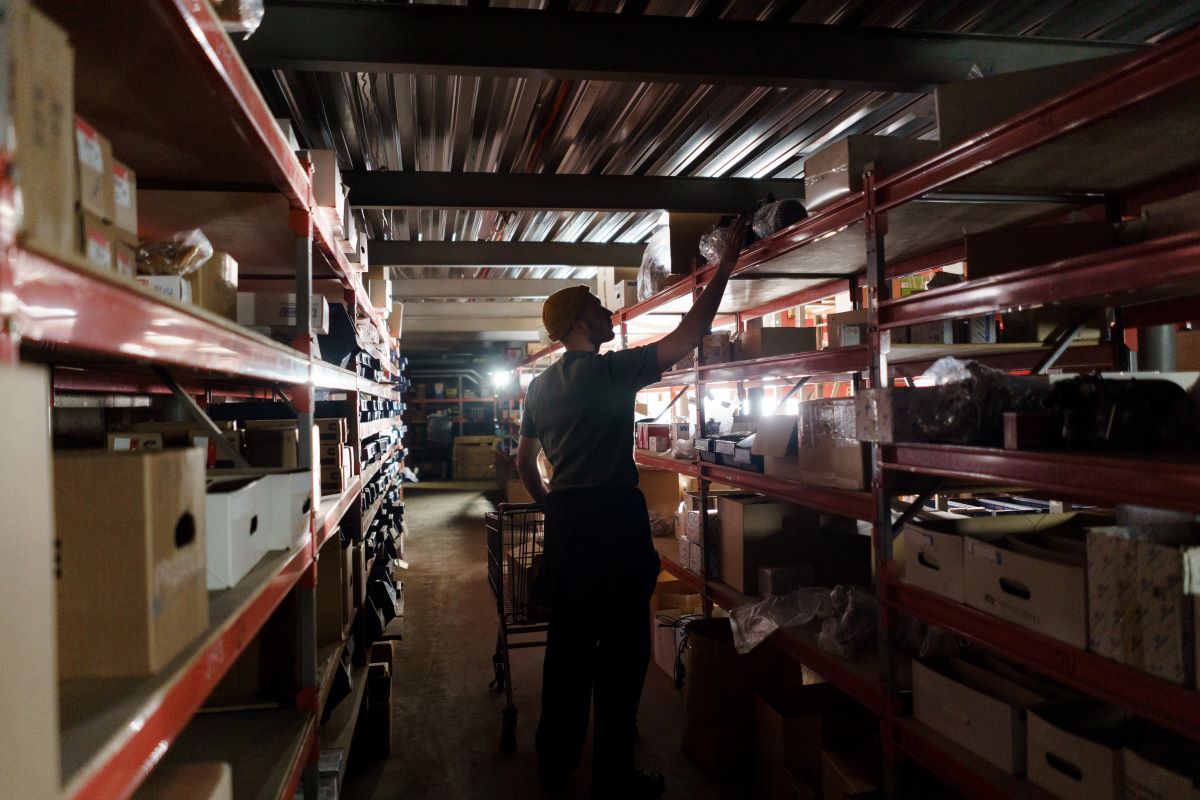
126,262
99,249
87,145
122,191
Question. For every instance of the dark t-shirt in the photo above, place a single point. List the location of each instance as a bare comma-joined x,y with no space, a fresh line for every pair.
581,409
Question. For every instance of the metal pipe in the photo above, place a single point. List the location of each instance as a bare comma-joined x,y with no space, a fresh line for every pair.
1156,348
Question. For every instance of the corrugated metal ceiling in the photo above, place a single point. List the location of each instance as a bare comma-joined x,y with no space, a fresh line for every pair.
463,123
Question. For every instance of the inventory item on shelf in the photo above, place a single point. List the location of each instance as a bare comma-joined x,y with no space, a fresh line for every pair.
828,452
93,162
1075,750
214,285
181,255
240,16
763,342
836,170
277,311
327,185
847,328
846,613
775,215
655,270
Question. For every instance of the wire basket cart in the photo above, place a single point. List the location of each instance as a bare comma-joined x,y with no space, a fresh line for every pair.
514,543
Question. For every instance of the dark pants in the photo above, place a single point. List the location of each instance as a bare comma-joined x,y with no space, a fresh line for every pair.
599,571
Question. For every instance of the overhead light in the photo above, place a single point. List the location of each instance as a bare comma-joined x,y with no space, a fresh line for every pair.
501,378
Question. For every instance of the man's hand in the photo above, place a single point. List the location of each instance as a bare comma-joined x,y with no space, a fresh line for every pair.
676,344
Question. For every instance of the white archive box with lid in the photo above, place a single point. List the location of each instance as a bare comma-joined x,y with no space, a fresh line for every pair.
235,509
288,498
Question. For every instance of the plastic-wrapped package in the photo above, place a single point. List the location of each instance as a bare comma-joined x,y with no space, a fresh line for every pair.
754,622
826,423
1134,414
656,264
968,401
855,628
182,254
775,215
712,244
240,16
661,526
683,448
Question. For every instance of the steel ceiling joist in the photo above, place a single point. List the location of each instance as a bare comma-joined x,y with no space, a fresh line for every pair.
377,37
411,288
502,254
491,190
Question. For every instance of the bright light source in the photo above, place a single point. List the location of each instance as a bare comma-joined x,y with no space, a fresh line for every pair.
501,378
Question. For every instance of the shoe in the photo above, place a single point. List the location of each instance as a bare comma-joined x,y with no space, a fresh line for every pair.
637,785
554,779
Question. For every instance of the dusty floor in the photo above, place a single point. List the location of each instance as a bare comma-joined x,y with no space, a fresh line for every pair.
447,719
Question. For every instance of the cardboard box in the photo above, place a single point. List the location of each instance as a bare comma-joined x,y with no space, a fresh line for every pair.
214,286
41,102
378,283
1160,771
978,709
827,448
668,639
934,548
289,133
789,730
836,170
93,165
358,570
29,737
326,179
172,287
940,332
515,492
124,184
847,328
779,579
473,463
236,510
612,286
849,775
331,429
125,258
752,533
997,252
1075,752
272,447
134,440
278,310
776,443
684,232
331,593
967,107
887,415
94,241
524,564
193,781
717,348
764,342
1138,613
1022,580
661,490
287,502
131,531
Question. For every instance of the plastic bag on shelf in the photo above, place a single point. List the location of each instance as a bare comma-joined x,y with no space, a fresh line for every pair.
853,630
754,622
661,526
240,16
182,254
712,244
775,215
655,269
968,401
683,448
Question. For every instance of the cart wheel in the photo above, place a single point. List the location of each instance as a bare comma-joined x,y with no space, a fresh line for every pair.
498,666
508,737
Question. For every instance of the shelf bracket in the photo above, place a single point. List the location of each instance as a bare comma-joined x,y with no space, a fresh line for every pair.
197,414
914,508
671,404
1059,345
797,387
287,401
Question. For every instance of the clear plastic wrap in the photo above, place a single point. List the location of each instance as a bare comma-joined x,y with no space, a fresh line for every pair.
661,526
656,264
754,622
182,254
776,215
712,244
827,423
968,401
683,448
240,16
854,629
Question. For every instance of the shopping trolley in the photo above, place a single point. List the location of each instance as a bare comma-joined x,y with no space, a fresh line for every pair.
514,543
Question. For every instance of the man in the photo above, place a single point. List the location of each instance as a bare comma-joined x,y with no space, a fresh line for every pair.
599,565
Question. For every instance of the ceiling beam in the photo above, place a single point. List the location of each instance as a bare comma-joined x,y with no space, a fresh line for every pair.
468,325
502,254
378,37
491,190
457,309
412,288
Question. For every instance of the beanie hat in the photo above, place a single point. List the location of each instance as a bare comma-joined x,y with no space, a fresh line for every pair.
562,308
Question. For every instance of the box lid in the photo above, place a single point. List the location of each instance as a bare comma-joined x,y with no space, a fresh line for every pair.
776,436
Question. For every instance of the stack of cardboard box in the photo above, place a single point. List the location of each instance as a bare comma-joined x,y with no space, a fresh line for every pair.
474,457
336,457
106,203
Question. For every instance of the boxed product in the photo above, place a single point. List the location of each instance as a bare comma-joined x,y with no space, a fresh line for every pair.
1034,580
378,283
124,181
1161,771
131,533
332,589
197,780
331,429
135,440
937,332
828,452
524,565
717,348
752,533
278,310
647,430
274,446
1075,750
326,180
41,103
286,503
95,241
124,257
836,170
1138,613
611,286
29,738
236,510
289,133
996,252
887,415
172,287
790,725
847,328
776,443
779,579
764,342
624,294
979,709
93,164
214,286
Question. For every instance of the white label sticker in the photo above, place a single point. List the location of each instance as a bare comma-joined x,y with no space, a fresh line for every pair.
121,192
98,252
88,146
126,264
122,443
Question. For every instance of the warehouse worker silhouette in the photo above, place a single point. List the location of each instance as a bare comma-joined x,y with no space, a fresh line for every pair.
599,566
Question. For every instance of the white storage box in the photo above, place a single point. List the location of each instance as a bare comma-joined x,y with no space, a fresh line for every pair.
289,503
235,513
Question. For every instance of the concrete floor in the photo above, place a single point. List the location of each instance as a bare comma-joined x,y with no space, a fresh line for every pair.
447,727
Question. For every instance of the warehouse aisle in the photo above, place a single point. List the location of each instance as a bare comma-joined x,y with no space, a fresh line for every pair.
448,721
